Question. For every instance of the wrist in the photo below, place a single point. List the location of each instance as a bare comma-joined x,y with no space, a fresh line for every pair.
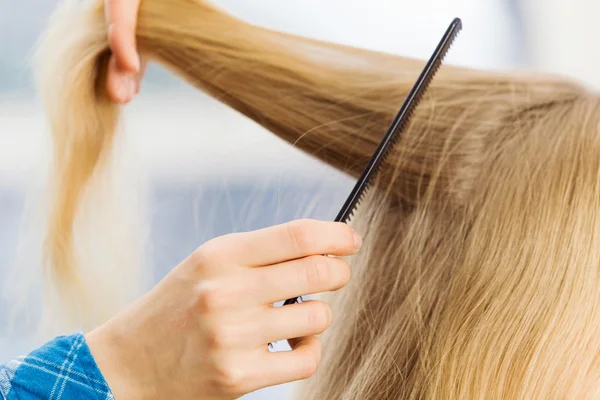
119,365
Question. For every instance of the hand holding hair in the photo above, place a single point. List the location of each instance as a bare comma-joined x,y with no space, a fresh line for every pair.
203,331
125,69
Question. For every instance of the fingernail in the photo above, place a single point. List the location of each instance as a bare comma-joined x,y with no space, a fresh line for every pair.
357,240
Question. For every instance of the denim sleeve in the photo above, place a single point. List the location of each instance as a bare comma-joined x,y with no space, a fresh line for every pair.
62,369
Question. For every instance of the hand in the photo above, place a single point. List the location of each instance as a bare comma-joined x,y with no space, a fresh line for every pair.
125,69
203,331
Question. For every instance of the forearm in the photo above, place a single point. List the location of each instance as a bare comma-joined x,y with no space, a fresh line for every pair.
63,369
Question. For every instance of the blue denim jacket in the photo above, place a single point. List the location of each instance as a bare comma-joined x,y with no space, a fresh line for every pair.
62,369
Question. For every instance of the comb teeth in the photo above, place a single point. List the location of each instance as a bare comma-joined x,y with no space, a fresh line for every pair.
361,197
400,121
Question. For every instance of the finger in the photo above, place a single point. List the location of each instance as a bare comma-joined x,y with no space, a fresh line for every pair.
294,321
305,276
120,87
288,366
121,16
296,239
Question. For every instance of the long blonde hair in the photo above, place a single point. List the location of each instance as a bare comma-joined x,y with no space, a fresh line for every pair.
479,277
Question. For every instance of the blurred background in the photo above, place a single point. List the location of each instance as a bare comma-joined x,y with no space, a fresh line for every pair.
206,170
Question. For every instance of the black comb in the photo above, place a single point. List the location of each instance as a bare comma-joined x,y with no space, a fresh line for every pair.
399,123
397,126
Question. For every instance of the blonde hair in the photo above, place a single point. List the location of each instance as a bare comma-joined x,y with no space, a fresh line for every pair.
479,277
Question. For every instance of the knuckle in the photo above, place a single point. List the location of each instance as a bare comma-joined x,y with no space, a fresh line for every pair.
199,257
228,379
211,253
300,234
203,256
319,316
317,272
219,337
213,339
209,298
